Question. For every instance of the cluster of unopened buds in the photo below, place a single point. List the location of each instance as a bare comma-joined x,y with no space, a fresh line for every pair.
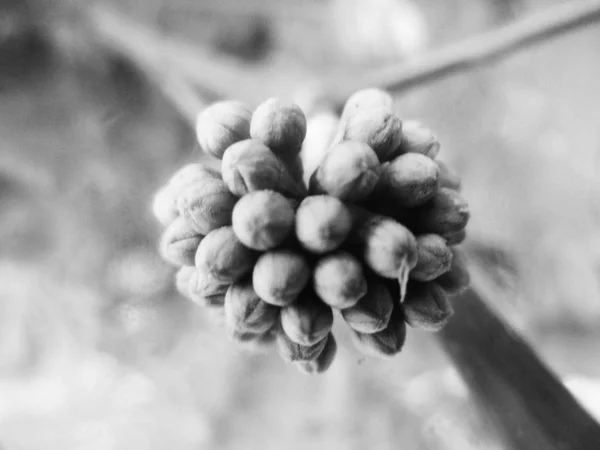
286,234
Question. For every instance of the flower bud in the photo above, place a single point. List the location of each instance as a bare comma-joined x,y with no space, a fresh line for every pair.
417,138
280,125
323,362
263,219
385,343
456,238
294,167
322,223
448,178
205,290
379,128
221,125
367,99
339,280
372,312
457,279
349,171
206,205
388,247
445,214
164,205
245,312
435,257
308,320
249,166
191,174
290,351
182,280
426,306
407,181
222,255
179,242
280,275
321,130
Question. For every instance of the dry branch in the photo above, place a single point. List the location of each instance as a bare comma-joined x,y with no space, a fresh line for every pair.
220,77
517,392
471,53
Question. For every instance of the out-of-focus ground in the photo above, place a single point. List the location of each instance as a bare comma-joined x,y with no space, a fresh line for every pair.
97,350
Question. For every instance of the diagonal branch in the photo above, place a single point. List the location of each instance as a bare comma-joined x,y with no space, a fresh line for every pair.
515,390
219,77
471,53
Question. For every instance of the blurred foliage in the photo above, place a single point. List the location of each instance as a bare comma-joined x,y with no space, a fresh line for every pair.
96,348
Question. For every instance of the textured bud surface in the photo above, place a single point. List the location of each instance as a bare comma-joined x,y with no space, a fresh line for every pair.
280,125
384,343
164,206
206,205
250,165
290,351
417,138
223,256
263,219
372,312
434,258
456,238
221,125
446,213
308,320
189,174
321,131
388,247
245,312
206,290
348,171
367,99
308,216
457,279
426,306
280,275
179,242
409,180
323,361
339,280
379,128
323,222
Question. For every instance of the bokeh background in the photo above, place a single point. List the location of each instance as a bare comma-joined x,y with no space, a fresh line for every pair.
98,351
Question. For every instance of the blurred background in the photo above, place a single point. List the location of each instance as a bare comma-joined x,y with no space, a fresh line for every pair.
98,351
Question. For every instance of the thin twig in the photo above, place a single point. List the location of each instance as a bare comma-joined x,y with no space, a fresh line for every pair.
466,55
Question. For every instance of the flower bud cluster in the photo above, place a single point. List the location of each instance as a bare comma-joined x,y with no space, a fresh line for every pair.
370,232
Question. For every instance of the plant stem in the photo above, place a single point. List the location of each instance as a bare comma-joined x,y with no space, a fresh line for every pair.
471,53
524,400
220,77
